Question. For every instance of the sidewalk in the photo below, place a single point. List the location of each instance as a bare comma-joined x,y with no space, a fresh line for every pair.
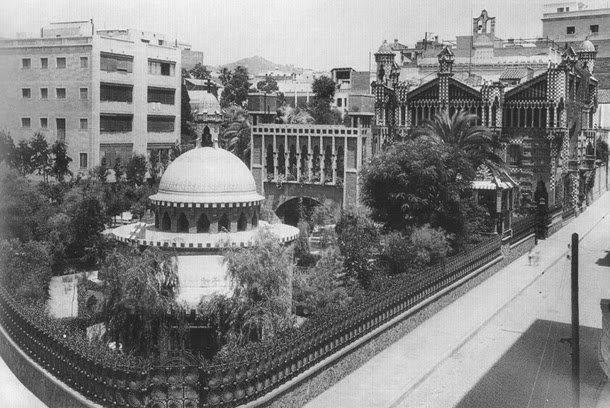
466,345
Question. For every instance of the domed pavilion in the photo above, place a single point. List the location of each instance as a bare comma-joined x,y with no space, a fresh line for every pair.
206,200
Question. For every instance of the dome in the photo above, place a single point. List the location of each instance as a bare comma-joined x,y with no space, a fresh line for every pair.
204,102
207,175
587,46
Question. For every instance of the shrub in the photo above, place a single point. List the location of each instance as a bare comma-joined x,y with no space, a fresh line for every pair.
135,171
26,270
325,214
358,240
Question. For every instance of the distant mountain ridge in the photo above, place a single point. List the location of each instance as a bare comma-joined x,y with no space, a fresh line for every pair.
257,65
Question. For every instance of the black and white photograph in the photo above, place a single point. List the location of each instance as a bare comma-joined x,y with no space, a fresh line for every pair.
304,203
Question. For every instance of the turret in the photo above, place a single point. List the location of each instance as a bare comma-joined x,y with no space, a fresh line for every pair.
384,58
587,54
445,62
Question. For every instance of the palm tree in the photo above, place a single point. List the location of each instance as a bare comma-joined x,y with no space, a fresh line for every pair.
461,132
235,135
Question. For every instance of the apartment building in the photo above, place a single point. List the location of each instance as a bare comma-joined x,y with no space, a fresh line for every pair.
107,94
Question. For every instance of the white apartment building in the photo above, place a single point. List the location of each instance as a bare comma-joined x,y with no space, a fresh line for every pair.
107,94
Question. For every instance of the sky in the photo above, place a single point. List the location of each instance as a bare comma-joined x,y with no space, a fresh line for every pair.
316,34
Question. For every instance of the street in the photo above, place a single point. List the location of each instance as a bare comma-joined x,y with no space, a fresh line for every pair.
499,345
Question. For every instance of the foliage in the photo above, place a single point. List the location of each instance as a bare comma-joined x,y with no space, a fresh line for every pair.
298,116
25,270
323,88
235,132
135,171
22,159
99,173
358,240
267,214
41,155
7,147
414,183
319,289
261,276
601,151
187,131
119,169
61,161
236,86
139,290
200,71
327,213
460,132
24,209
267,85
322,112
302,252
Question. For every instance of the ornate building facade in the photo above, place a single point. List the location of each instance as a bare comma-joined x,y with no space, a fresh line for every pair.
544,121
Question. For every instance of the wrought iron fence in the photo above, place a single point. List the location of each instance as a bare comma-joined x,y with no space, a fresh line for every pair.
524,227
117,381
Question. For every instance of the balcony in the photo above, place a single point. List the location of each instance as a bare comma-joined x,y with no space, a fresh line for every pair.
162,137
164,81
116,77
116,137
116,107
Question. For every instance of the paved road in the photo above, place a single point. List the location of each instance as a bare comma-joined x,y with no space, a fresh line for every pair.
499,344
13,394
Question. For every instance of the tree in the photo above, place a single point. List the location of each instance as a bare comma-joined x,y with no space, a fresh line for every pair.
290,115
320,107
261,276
236,88
358,240
22,158
187,133
200,71
136,169
25,270
61,161
460,132
119,169
235,132
7,147
267,85
41,155
416,182
24,209
139,291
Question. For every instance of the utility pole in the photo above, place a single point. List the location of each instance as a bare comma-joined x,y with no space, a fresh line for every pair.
575,343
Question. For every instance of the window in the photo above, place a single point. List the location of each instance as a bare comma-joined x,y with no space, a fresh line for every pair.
514,155
25,122
161,68
84,93
116,63
61,62
60,93
116,123
570,30
164,124
44,123
26,93
44,63
339,102
116,93
84,62
164,96
60,123
84,125
44,93
83,160
594,29
161,42
26,63
560,10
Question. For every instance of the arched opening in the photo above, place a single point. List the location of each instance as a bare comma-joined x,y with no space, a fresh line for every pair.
304,161
281,160
224,225
292,163
269,162
183,223
296,209
255,219
315,164
242,222
157,219
203,224
328,164
206,137
340,165
166,222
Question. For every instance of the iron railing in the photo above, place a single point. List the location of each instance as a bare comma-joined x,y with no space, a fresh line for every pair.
120,382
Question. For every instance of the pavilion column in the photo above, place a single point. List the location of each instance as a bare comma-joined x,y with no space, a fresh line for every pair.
499,208
548,117
532,117
322,159
309,157
539,117
518,117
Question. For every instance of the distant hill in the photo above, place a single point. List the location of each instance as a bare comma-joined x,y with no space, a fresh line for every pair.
257,65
